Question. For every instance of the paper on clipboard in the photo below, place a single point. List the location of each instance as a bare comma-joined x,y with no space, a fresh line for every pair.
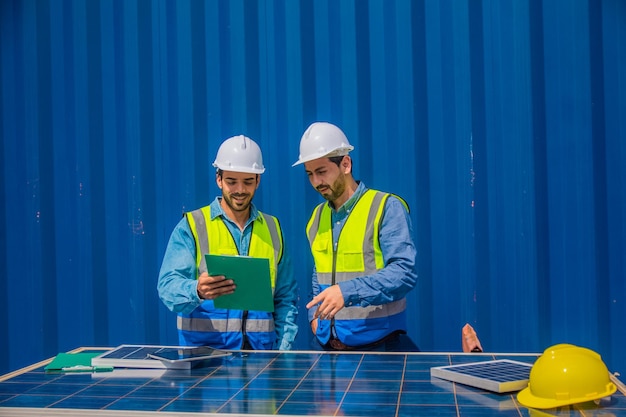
252,278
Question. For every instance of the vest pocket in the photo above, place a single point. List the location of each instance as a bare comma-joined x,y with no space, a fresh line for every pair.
353,262
322,245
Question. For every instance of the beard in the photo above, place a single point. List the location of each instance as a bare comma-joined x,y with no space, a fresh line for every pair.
238,204
334,191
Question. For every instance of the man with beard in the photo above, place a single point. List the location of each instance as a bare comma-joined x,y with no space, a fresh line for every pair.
231,224
363,251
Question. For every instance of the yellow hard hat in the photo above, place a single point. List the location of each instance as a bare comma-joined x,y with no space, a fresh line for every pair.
566,374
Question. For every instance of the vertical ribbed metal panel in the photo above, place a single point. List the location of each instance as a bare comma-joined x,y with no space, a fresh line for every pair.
500,122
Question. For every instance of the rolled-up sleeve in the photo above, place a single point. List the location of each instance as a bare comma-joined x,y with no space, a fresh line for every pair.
285,304
177,284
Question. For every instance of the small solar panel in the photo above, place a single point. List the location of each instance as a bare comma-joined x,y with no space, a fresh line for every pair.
502,375
188,354
136,356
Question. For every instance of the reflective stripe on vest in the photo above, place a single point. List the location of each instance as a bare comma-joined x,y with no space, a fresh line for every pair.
222,326
358,251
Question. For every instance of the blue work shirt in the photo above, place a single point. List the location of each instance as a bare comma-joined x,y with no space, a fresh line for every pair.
399,275
177,285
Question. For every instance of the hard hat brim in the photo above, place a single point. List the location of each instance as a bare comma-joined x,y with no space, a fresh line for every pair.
336,152
245,170
526,398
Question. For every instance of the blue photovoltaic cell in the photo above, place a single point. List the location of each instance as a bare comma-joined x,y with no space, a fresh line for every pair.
130,352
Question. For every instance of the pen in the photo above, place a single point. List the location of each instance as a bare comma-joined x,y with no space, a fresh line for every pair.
86,368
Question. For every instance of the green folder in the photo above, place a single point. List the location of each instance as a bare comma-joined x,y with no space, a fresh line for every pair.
252,278
75,362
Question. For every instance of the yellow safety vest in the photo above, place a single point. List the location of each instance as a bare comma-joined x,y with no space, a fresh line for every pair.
265,242
220,328
358,253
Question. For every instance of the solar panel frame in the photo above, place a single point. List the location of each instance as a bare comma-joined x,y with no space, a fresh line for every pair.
498,375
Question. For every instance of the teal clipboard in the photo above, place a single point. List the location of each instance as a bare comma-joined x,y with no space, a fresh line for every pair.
252,278
75,362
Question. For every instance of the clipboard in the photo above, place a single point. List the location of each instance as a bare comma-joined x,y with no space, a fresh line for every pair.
252,278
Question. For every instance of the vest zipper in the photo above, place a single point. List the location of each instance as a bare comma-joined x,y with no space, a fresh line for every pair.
333,331
332,282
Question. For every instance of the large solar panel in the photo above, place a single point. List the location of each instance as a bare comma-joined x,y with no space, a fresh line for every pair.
503,375
271,383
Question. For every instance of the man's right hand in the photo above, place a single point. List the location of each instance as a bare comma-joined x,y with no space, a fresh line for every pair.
211,287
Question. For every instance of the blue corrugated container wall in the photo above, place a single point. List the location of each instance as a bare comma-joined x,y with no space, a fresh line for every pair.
500,122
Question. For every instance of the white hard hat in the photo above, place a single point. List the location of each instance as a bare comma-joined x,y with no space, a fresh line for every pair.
240,154
322,140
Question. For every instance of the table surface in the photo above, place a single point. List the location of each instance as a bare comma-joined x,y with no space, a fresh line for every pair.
298,383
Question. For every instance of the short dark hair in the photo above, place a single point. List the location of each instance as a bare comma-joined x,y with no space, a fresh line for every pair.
336,159
220,173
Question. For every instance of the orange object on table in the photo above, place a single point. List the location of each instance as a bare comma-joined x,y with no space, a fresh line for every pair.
470,339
